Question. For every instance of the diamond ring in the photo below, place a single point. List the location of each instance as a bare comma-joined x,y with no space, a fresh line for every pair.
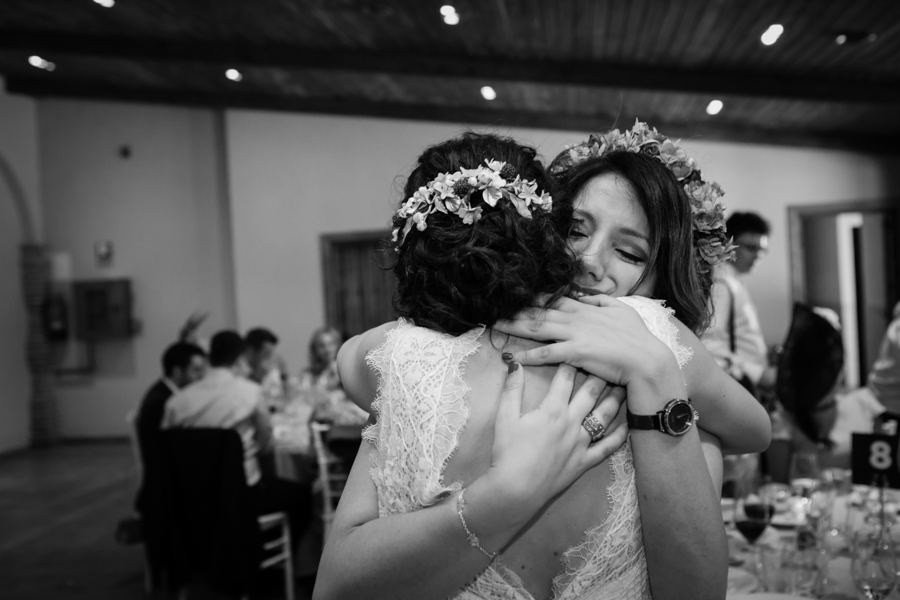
594,427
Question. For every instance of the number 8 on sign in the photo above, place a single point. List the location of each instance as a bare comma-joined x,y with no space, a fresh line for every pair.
880,455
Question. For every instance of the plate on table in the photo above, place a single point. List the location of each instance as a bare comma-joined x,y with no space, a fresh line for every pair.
741,581
787,520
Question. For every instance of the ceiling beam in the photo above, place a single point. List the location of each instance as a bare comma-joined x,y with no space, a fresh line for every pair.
574,73
718,130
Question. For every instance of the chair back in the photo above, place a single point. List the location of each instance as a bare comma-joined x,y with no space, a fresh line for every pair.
204,515
330,482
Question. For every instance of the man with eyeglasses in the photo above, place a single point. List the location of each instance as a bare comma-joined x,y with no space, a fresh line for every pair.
734,337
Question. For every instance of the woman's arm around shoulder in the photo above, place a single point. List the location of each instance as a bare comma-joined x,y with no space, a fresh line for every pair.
359,381
726,408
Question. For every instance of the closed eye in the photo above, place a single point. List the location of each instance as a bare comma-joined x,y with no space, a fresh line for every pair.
578,230
631,257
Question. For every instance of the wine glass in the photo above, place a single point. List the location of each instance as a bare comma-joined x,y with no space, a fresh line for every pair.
804,473
753,509
873,566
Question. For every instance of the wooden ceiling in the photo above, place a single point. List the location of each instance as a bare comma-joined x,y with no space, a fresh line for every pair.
571,64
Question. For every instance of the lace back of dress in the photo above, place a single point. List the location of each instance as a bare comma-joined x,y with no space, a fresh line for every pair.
421,407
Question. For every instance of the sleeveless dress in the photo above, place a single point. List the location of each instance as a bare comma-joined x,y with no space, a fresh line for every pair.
422,408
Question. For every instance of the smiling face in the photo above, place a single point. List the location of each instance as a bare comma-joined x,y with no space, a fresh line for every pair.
611,237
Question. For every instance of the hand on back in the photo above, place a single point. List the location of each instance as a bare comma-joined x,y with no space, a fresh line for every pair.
536,455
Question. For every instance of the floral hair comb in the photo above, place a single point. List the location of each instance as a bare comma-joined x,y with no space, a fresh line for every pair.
455,193
710,239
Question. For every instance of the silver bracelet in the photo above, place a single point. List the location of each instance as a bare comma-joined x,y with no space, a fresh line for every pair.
471,537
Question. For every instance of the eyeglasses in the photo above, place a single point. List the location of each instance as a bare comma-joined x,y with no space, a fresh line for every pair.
753,248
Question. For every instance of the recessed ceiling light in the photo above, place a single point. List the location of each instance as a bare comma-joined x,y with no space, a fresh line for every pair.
447,10
233,74
771,35
854,36
488,93
714,107
451,19
106,3
40,63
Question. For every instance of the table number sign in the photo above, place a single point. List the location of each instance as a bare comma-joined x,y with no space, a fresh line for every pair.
875,460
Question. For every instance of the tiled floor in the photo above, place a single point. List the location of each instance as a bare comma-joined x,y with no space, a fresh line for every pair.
58,512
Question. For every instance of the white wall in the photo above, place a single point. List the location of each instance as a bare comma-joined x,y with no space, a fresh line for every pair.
294,177
18,147
165,211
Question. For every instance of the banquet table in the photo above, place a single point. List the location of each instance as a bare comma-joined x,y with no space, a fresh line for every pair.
773,572
295,460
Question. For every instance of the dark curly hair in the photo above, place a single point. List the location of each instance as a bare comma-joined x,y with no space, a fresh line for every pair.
679,279
453,276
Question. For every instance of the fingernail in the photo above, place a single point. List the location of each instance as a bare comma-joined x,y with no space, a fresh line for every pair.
507,357
511,367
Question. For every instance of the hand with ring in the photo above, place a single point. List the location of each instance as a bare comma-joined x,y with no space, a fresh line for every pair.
538,454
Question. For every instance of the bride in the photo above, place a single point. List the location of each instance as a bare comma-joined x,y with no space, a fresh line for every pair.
480,478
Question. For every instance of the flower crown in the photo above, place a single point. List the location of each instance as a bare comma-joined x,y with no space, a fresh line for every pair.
710,239
453,193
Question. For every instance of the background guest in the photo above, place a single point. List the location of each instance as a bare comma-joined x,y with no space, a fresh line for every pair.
182,363
321,374
734,337
884,379
322,383
225,398
260,354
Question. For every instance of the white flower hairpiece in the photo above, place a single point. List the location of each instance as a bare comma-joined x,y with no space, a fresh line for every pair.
710,239
454,193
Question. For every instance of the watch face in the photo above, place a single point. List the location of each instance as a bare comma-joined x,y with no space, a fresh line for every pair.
679,417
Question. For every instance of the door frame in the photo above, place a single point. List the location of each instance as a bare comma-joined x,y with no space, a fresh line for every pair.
796,214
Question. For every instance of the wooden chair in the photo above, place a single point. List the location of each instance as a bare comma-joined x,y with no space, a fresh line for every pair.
282,545
330,483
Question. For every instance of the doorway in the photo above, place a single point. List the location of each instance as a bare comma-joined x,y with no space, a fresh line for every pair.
359,291
844,258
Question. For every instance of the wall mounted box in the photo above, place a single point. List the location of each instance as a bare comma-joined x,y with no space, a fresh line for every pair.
103,309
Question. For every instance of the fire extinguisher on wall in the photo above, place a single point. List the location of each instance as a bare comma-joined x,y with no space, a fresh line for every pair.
55,316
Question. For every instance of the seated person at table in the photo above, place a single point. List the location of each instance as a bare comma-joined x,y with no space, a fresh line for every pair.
321,374
182,364
262,359
321,383
225,398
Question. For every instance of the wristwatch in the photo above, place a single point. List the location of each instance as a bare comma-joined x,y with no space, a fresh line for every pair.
676,418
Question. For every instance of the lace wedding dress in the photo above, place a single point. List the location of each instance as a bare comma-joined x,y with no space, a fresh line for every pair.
422,409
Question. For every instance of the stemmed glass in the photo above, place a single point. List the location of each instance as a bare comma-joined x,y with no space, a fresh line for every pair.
753,510
804,473
873,566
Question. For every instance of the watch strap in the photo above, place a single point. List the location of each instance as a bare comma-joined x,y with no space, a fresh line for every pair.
643,422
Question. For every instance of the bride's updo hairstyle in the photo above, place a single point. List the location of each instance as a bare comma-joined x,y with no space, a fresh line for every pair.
680,278
470,263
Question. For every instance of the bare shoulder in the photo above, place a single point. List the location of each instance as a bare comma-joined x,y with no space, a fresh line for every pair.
358,380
